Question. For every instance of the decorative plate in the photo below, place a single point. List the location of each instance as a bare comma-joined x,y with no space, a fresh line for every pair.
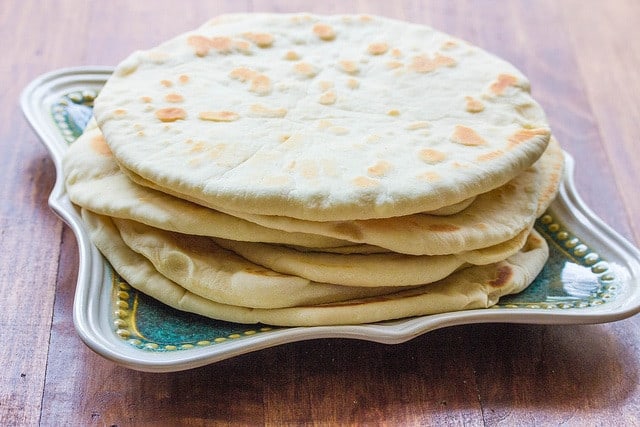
591,276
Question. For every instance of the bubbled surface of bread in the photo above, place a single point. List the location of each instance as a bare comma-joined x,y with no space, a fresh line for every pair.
321,117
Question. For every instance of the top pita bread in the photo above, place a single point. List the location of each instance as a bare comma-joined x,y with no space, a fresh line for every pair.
321,118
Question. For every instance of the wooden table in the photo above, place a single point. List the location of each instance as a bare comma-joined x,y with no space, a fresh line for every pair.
583,59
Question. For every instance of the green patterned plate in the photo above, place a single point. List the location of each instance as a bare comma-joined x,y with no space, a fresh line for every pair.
591,276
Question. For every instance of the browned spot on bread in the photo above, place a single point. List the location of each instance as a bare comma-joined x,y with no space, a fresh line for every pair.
532,243
353,83
442,227
324,32
219,116
526,134
373,138
200,44
217,150
394,64
262,40
325,85
396,53
291,56
99,145
349,230
449,44
378,48
166,83
431,156
183,78
550,191
174,97
503,275
308,169
328,98
304,69
243,74
425,64
366,18
502,83
171,114
393,113
221,44
323,124
466,136
491,155
473,105
417,125
365,182
242,45
120,112
260,84
350,67
338,130
430,176
146,99
262,111
329,168
198,147
379,169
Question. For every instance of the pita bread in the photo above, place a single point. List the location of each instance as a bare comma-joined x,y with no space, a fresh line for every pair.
321,118
493,218
94,181
552,171
204,268
303,170
211,265
368,269
472,288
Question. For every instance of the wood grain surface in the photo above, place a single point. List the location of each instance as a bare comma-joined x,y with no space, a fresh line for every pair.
582,57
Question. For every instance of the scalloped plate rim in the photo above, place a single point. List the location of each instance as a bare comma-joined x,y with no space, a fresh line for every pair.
91,306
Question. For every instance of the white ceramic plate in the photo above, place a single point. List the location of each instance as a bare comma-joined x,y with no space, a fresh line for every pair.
592,275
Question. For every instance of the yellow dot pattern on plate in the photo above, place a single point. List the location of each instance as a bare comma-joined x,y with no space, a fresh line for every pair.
577,252
124,305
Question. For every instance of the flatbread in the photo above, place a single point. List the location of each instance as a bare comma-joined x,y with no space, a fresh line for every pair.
493,217
552,173
94,181
321,118
368,269
472,288
208,266
204,268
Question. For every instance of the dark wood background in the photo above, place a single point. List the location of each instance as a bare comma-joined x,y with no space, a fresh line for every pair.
583,59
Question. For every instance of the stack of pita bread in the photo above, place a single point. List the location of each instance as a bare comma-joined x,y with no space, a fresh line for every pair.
317,170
